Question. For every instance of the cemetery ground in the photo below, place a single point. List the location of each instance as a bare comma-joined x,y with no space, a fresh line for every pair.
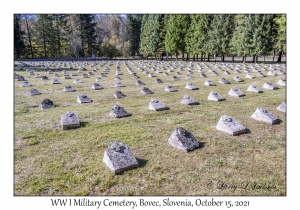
51,161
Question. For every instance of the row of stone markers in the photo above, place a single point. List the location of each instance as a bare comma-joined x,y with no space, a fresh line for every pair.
118,156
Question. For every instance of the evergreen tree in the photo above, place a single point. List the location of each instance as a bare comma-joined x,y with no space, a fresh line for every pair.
280,21
176,32
144,46
220,34
19,45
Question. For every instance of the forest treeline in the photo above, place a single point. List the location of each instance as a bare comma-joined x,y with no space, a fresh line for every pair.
190,36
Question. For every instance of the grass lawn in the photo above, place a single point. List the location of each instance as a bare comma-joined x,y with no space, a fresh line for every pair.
52,161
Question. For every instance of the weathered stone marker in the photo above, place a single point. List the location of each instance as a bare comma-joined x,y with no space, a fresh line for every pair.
230,125
77,80
118,111
183,139
191,86
33,92
69,120
139,82
156,105
83,99
55,81
119,94
21,78
170,88
224,81
209,83
68,89
282,107
236,92
146,90
238,79
214,96
118,157
47,104
44,78
282,82
264,115
188,100
119,84
250,76
25,84
254,89
158,80
96,86
269,86
99,79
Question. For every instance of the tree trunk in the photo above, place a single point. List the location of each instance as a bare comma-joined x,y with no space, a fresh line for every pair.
279,57
197,57
253,60
256,59
187,57
273,55
176,56
194,57
208,57
264,58
201,57
183,56
243,59
223,58
29,38
232,59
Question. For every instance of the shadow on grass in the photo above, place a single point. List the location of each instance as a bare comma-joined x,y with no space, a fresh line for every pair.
142,162
83,124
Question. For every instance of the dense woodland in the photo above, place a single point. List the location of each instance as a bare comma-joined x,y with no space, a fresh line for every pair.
161,36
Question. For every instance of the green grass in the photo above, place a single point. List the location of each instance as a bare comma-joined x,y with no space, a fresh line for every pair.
52,161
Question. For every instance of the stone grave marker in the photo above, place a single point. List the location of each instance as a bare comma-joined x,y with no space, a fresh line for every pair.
139,82
135,76
183,139
282,107
166,74
85,76
238,79
158,80
178,73
55,81
49,72
237,71
83,99
191,86
224,81
96,86
236,92
25,84
66,76
175,78
46,104
209,83
117,78
99,79
170,88
202,75
119,94
118,157
214,96
250,76
214,73
21,78
264,115
68,89
272,73
90,73
230,125
226,72
73,74
69,120
118,112
44,78
77,80
156,105
37,76
259,74
119,84
282,82
33,92
56,75
281,72
254,89
188,100
151,75
269,86
146,90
